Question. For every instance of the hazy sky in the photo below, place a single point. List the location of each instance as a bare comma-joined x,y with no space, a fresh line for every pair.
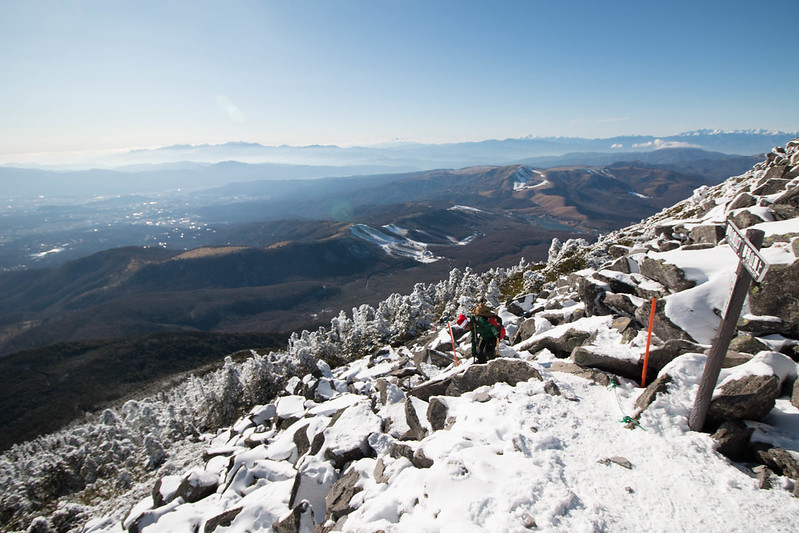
107,74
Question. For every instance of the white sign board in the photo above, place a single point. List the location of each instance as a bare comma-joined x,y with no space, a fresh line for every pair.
750,257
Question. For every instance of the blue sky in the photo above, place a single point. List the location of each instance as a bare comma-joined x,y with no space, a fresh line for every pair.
108,74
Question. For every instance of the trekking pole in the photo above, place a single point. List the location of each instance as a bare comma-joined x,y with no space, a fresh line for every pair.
452,338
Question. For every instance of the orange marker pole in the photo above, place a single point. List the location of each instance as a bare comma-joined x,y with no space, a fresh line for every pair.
452,338
648,340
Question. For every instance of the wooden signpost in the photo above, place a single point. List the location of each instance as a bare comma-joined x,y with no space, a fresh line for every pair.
752,266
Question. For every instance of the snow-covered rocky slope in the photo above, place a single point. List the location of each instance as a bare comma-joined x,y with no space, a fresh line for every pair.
555,435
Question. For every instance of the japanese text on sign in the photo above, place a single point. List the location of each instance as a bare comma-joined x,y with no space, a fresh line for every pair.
750,257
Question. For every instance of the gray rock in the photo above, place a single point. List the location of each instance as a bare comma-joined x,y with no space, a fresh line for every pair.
221,520
772,182
596,376
299,519
733,440
591,294
664,328
698,246
622,264
317,443
551,388
382,386
432,356
419,356
735,358
778,295
514,309
668,275
664,230
380,471
621,461
525,331
437,413
666,246
657,387
778,460
660,356
763,477
746,342
401,373
746,219
622,323
588,356
397,450
437,387
795,394
784,212
417,431
300,438
194,488
617,284
621,303
742,200
481,397
342,491
616,250
560,346
345,442
510,371
707,233
761,326
420,460
748,398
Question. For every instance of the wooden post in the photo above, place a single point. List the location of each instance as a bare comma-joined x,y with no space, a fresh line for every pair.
452,338
718,350
648,340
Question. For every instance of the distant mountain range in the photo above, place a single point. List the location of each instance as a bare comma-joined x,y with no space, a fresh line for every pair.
404,156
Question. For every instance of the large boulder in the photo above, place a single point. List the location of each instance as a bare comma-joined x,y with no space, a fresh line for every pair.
778,295
789,197
621,303
664,328
598,377
662,355
747,343
560,346
733,440
589,356
435,387
748,398
347,437
668,275
313,482
707,233
510,371
591,294
525,331
197,485
778,460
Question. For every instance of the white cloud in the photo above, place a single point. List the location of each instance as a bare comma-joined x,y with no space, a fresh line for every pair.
658,144
617,145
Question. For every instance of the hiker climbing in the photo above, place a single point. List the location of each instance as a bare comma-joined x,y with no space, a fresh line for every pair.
487,330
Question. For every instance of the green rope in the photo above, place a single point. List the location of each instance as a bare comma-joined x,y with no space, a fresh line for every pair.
626,419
